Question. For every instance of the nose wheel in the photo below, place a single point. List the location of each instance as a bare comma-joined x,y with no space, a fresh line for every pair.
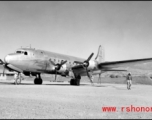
18,79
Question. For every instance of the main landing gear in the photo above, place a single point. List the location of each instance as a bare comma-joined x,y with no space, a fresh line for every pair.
75,81
38,80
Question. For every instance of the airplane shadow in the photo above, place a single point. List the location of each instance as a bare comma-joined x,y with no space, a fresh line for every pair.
53,84
100,86
118,88
60,84
27,84
57,84
6,83
12,83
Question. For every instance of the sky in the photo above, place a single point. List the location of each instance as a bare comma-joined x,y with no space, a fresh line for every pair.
77,28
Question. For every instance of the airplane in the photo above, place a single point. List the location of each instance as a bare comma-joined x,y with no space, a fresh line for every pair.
34,62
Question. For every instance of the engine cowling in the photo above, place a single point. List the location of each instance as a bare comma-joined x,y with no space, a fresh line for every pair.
92,65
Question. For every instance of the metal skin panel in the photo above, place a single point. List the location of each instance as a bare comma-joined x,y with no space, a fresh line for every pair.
38,61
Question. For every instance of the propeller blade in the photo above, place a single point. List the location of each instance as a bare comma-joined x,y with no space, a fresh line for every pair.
78,62
3,70
90,57
52,62
89,76
55,75
63,62
1,62
85,60
99,79
58,66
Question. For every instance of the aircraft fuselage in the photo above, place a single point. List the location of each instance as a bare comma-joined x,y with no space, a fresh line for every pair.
38,61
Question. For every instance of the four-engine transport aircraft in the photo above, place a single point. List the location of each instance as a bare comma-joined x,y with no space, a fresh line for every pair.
33,62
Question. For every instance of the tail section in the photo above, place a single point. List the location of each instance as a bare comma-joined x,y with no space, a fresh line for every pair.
100,55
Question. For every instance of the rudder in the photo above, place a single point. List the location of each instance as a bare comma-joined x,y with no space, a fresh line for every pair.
100,55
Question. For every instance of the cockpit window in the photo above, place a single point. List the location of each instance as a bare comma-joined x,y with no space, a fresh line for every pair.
22,52
18,51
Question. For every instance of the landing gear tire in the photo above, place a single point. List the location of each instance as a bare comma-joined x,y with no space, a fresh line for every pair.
72,82
17,81
38,81
75,82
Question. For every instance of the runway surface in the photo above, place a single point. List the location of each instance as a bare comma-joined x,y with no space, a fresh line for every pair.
61,100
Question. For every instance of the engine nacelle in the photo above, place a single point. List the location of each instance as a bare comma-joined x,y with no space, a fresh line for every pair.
92,65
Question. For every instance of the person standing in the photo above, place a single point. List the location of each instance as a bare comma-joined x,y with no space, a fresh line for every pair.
129,81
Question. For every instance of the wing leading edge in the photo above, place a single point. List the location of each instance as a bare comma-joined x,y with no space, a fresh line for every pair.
126,63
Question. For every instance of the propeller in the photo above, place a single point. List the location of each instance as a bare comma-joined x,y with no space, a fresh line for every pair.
4,70
85,65
86,62
58,66
4,64
99,79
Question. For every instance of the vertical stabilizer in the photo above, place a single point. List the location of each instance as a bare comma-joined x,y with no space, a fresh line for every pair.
100,55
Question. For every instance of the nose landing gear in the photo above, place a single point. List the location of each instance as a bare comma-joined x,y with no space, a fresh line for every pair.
18,78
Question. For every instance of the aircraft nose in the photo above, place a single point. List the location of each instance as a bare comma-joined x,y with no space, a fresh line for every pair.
7,59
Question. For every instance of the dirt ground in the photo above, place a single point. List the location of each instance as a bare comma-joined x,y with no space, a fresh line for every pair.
61,100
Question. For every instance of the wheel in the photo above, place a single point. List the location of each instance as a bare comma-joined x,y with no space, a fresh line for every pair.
38,81
17,81
72,82
35,81
77,82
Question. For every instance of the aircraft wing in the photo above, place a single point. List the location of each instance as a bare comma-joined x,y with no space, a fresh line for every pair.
144,64
136,63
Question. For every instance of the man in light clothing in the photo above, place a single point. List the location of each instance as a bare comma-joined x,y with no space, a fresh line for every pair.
129,81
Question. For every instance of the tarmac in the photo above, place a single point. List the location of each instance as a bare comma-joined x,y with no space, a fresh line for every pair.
60,100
